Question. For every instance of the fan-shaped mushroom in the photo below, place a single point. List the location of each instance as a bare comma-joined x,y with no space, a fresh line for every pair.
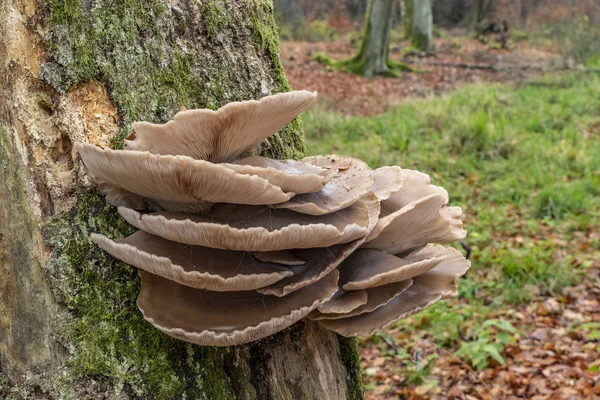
177,183
315,269
416,224
225,319
195,266
291,176
256,228
376,297
387,181
428,288
222,135
367,268
350,184
238,249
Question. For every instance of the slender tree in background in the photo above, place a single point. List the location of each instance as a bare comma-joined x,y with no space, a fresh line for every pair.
422,25
75,70
372,57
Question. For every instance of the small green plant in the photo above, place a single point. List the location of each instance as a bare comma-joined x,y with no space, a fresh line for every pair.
490,340
591,329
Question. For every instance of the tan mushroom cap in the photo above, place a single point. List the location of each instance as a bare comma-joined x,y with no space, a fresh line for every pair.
225,319
291,176
367,268
376,297
222,135
321,261
416,185
413,226
195,266
343,302
177,183
256,228
386,181
283,257
439,283
350,184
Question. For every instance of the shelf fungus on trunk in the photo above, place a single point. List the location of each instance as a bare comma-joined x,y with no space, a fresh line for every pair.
233,247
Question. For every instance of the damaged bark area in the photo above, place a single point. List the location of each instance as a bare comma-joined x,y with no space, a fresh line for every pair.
85,71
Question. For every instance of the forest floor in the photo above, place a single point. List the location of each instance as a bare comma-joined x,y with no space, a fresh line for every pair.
352,94
520,153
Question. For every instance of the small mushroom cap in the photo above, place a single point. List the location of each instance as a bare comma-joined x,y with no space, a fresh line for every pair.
255,228
291,176
416,185
283,257
321,261
350,184
225,319
413,226
195,266
367,268
439,283
386,181
222,135
376,297
343,302
177,183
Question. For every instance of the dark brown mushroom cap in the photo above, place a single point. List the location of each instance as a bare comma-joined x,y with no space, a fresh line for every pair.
376,297
321,261
428,288
177,183
416,224
367,268
256,228
222,135
195,266
291,176
225,319
352,182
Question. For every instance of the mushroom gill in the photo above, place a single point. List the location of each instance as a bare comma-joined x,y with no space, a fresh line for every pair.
232,249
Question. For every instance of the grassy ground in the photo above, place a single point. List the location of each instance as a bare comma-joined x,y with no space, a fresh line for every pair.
525,166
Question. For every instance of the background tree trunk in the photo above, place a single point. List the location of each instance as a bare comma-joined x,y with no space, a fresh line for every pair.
78,70
407,17
422,25
372,58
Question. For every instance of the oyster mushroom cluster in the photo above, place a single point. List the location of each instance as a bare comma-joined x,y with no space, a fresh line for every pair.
233,247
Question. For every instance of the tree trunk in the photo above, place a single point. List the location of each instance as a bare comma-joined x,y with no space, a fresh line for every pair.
422,25
75,70
372,58
407,17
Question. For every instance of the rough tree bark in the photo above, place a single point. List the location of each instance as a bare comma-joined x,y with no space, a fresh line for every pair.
81,70
422,25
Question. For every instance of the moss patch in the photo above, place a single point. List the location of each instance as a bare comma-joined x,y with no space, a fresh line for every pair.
351,359
157,58
356,65
108,333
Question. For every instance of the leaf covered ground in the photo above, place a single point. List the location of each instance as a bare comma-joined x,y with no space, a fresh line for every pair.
523,161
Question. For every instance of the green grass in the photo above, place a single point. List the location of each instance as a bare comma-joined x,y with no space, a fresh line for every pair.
523,163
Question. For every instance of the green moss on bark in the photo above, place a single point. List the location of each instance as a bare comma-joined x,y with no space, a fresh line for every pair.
351,359
157,58
108,334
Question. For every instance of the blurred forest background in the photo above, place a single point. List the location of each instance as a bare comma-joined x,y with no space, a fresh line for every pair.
501,106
